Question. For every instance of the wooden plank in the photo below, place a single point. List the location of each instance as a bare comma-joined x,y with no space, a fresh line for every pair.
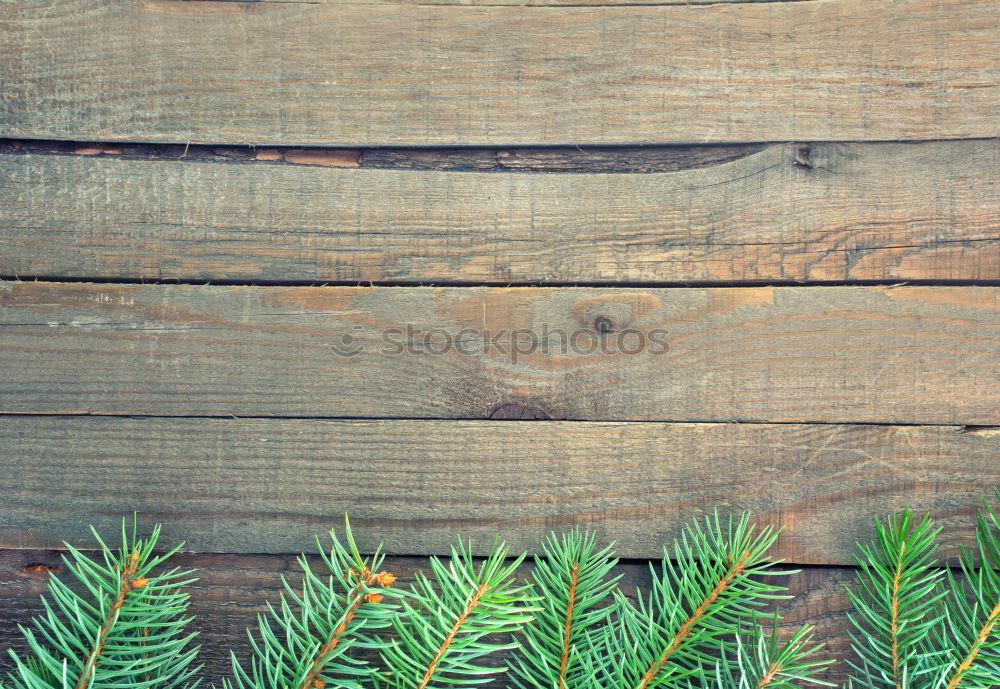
269,485
861,212
811,354
232,589
416,75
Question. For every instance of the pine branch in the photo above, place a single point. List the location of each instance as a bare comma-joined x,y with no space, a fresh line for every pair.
764,662
896,603
307,641
560,648
926,628
125,631
697,600
972,612
447,629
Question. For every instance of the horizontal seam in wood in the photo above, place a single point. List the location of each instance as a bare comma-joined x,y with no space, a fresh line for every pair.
528,284
958,427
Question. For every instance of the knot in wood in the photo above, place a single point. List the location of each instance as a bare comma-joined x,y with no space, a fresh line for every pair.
603,324
517,411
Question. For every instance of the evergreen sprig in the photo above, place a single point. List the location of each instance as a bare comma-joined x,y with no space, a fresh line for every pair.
573,585
767,663
447,629
895,602
307,641
763,662
123,629
972,614
921,627
700,597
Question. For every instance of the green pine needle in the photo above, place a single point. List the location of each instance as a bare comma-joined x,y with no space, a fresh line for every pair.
307,641
923,627
763,662
452,623
125,630
698,600
896,603
561,648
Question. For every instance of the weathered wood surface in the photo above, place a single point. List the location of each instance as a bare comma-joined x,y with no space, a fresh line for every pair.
822,354
232,590
269,485
385,74
859,212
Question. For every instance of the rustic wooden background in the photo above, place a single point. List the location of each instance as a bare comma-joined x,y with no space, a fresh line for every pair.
199,200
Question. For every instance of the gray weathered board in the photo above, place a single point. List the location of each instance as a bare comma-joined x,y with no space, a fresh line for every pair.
432,74
271,485
822,354
860,212
232,590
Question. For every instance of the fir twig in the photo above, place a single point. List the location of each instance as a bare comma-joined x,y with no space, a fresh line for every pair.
125,631
973,612
895,603
923,627
763,662
700,596
561,647
306,641
447,628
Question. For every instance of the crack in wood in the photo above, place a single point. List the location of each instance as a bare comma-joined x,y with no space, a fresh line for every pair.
579,160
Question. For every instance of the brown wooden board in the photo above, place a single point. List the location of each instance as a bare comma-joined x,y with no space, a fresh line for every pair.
386,74
232,591
807,354
805,213
268,485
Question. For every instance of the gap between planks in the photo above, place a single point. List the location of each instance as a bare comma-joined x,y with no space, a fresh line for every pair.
748,284
979,430
544,159
508,3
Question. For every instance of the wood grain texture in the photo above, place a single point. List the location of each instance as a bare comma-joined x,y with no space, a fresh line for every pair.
861,212
810,354
232,590
385,74
269,485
